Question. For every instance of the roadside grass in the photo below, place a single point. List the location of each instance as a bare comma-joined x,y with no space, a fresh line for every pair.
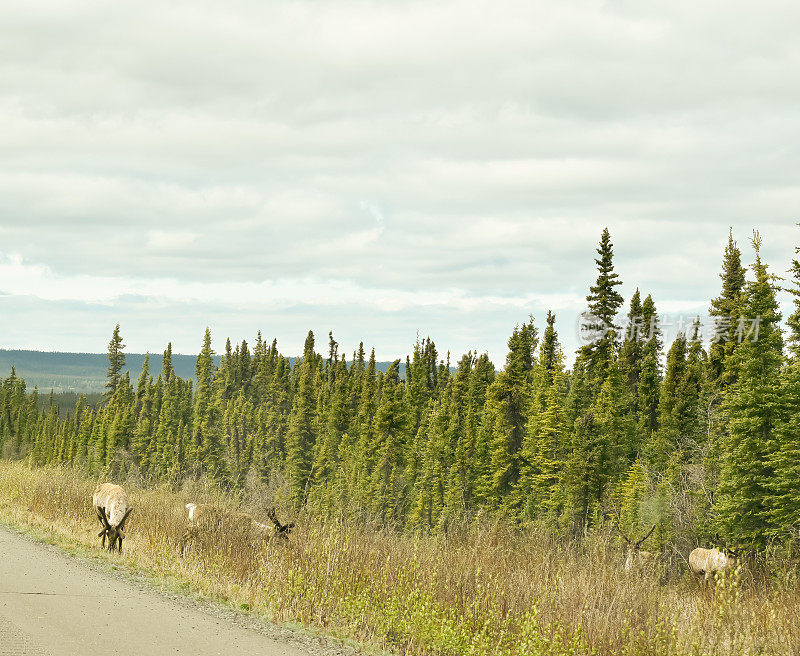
479,590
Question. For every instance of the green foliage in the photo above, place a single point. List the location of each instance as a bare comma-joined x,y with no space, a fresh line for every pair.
506,416
604,302
754,410
302,433
727,308
116,361
784,501
794,319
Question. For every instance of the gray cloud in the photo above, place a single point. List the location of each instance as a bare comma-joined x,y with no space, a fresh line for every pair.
444,168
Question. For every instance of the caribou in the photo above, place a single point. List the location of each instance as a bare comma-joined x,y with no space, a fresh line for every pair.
710,562
205,519
635,557
112,508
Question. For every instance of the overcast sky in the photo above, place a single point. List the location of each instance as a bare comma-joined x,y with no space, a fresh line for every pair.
381,169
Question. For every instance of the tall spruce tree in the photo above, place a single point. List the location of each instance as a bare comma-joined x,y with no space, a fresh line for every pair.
648,389
461,482
301,436
390,423
727,308
604,303
794,319
507,404
542,451
631,352
116,361
207,447
582,467
785,487
754,408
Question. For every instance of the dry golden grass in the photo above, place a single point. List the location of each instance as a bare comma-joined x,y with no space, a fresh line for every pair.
483,589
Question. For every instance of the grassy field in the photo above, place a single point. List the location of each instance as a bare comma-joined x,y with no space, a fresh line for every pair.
484,589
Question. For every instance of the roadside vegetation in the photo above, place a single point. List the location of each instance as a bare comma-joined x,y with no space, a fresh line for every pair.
483,588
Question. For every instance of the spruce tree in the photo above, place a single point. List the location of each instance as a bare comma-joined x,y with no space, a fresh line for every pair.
551,356
428,498
206,448
631,352
604,302
390,424
651,328
142,383
582,467
648,389
753,408
671,423
481,379
507,405
116,361
794,319
727,309
784,512
166,363
334,426
545,432
618,441
461,442
301,436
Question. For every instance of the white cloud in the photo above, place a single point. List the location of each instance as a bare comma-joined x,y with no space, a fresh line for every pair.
164,240
424,161
19,278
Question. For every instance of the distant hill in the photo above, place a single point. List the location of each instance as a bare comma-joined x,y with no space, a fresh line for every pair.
86,372
80,372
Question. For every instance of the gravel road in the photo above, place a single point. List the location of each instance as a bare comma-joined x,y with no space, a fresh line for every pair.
56,605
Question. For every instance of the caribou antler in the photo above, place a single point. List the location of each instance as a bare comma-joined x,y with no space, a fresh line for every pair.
282,530
121,526
619,528
620,531
634,545
101,513
649,533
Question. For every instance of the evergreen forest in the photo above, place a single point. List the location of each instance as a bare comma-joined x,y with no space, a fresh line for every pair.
702,440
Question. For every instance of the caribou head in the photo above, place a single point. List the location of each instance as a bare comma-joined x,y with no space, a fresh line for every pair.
114,534
636,556
281,530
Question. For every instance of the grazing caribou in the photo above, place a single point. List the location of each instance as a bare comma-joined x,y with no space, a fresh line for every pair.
113,508
281,530
710,562
205,519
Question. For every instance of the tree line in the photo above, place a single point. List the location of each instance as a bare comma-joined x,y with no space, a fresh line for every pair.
703,440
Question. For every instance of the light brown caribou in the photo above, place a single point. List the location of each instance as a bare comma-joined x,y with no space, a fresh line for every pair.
710,562
112,507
